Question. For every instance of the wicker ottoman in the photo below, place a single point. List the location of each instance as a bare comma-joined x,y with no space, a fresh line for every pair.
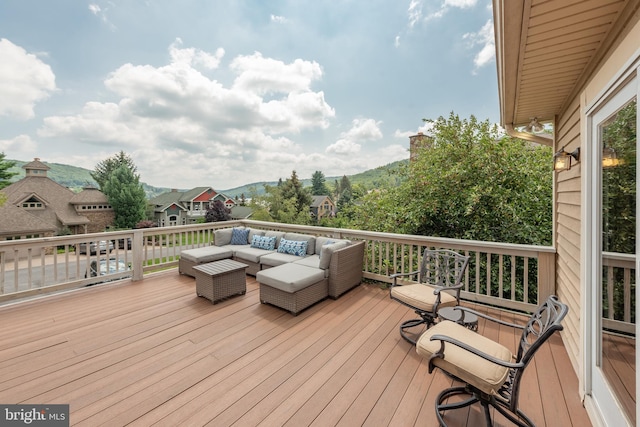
220,279
292,287
192,257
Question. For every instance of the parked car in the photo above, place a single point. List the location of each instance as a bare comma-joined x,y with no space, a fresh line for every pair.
122,243
103,247
103,267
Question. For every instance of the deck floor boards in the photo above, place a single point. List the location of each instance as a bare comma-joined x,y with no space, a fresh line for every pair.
153,353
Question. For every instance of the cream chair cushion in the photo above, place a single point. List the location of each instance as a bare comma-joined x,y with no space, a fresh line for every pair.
468,367
421,296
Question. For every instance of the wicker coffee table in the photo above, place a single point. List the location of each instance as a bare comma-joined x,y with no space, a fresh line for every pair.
220,279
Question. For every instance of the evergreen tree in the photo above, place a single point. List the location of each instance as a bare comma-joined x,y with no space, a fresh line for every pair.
126,196
5,175
318,185
105,168
292,189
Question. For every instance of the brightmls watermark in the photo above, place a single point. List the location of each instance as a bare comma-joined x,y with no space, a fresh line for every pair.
34,415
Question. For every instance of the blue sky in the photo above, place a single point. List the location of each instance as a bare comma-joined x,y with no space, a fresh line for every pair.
225,93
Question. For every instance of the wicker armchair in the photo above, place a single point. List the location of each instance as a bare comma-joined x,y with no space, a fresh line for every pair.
439,282
491,374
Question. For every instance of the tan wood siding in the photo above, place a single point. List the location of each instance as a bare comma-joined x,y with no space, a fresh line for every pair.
567,207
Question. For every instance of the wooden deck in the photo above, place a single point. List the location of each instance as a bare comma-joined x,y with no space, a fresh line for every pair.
152,352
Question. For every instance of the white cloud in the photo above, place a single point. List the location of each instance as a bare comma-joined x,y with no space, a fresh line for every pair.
24,81
21,147
485,39
171,116
266,75
360,131
192,56
278,19
416,14
102,14
425,129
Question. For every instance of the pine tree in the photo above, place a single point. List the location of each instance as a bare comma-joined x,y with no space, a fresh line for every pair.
126,196
105,168
5,175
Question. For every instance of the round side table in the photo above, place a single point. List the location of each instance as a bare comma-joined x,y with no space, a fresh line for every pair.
468,320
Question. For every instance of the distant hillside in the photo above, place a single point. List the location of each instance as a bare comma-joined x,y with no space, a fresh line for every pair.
373,178
77,178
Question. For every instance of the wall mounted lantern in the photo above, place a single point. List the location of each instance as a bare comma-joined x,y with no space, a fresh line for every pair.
609,158
562,159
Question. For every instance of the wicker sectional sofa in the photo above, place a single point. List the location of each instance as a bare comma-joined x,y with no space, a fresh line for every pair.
294,270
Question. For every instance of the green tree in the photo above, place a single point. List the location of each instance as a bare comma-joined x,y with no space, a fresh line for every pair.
5,175
318,184
126,196
287,202
472,184
105,168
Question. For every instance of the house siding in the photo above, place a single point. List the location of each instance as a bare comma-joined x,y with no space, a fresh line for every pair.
568,204
568,219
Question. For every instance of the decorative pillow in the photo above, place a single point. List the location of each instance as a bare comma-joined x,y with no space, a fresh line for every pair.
327,251
293,247
263,242
240,236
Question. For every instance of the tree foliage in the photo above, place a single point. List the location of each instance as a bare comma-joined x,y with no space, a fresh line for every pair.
217,211
105,168
126,196
318,184
473,183
288,202
5,174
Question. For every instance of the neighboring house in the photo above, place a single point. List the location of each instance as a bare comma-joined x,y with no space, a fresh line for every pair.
46,208
241,212
322,207
185,207
574,66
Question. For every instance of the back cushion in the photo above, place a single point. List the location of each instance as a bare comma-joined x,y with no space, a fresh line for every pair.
311,240
328,250
254,232
222,237
277,234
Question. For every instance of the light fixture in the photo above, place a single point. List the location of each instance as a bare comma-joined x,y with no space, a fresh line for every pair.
534,126
609,158
562,159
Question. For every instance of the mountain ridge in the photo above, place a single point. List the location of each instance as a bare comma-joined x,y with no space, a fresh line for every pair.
76,178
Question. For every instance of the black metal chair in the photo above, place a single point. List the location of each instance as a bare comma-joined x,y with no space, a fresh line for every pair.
439,280
490,372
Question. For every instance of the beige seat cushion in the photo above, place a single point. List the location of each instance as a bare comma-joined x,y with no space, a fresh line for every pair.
421,296
472,369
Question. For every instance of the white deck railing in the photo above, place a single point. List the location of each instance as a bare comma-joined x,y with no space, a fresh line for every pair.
505,275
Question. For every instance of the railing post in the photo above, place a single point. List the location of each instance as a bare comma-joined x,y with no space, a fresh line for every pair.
546,275
137,249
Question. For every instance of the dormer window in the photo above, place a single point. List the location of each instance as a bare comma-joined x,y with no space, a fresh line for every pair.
32,203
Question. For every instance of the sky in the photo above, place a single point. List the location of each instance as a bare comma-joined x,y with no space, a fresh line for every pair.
224,93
